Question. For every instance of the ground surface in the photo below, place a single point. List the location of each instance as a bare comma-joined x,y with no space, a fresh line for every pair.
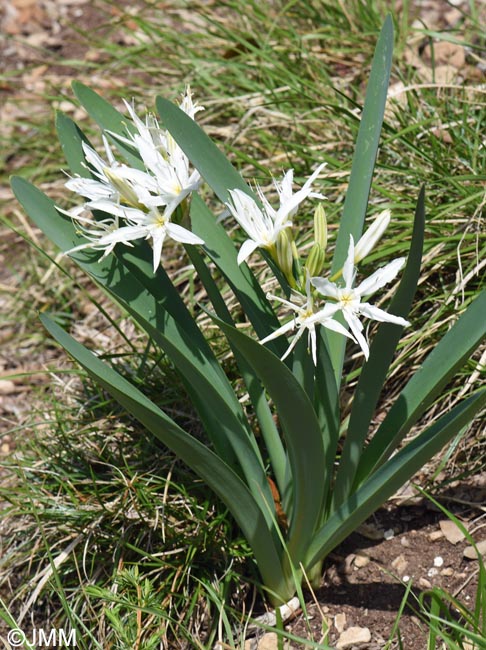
365,578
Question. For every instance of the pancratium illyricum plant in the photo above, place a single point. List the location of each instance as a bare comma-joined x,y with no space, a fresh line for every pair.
143,189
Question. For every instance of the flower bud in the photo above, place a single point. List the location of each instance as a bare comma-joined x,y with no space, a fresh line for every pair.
320,227
315,260
284,252
370,238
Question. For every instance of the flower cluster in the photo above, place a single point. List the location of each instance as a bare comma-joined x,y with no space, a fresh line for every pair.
139,204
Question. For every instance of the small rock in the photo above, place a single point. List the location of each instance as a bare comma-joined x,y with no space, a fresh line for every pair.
432,572
7,387
435,535
269,641
361,560
340,622
405,542
400,564
448,571
438,561
471,553
451,532
348,563
389,534
353,636
423,582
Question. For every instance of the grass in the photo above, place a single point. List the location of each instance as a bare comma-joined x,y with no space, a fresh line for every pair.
149,557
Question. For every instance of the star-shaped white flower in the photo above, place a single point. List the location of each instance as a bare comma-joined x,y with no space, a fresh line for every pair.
171,179
141,224
306,318
348,298
262,225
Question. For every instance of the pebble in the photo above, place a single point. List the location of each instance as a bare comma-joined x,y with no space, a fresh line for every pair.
438,561
353,636
451,532
340,622
361,560
435,535
471,553
7,387
400,564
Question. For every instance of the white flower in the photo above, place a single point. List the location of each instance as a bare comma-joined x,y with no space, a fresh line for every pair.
147,224
102,235
140,202
348,299
171,178
306,318
262,225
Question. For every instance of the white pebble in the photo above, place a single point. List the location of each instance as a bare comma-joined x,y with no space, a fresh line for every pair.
438,561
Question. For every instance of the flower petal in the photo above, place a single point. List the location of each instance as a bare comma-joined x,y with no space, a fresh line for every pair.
356,327
182,234
246,250
349,272
380,277
326,287
375,313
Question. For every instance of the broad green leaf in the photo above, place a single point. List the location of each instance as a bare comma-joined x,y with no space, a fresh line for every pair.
390,477
218,476
374,372
268,428
71,138
439,367
211,163
327,408
364,158
149,299
302,436
109,119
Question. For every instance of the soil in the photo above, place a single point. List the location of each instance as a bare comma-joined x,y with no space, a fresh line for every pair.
366,578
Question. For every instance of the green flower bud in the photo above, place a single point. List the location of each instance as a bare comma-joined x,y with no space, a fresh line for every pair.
315,260
284,252
320,227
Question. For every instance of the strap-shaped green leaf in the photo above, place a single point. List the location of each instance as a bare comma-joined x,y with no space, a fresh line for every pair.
438,368
268,428
211,163
374,372
391,476
148,301
364,158
109,119
302,436
218,476
71,138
